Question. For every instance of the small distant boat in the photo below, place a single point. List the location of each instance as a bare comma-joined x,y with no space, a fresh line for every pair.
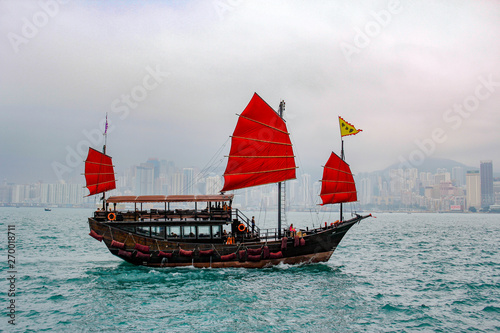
211,233
48,209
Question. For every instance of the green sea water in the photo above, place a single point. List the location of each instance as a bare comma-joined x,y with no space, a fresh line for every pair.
393,273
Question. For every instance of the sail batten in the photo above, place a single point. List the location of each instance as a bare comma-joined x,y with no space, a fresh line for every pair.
253,139
263,124
337,185
261,151
338,170
338,193
99,172
93,174
259,172
96,163
283,156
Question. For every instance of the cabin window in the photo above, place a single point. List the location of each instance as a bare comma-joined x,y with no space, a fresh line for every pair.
216,231
158,232
129,229
189,231
173,232
143,230
204,232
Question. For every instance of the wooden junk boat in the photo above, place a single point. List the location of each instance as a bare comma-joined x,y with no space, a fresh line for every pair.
213,234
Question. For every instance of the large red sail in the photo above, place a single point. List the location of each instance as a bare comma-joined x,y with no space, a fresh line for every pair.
338,183
99,172
261,150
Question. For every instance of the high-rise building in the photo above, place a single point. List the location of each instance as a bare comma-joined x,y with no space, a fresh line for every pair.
496,189
306,189
487,194
156,166
213,185
189,181
458,176
365,191
473,181
144,179
293,188
176,183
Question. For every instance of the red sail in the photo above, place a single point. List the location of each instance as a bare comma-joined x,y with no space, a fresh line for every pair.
99,172
261,151
338,184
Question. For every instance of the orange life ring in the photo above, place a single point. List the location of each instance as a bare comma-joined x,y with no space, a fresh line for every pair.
111,216
242,228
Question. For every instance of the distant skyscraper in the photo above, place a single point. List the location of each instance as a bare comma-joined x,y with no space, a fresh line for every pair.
213,185
176,183
144,179
473,181
441,170
189,183
293,188
458,176
487,194
365,191
306,188
156,166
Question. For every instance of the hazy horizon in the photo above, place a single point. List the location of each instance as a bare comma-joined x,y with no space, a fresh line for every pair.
422,80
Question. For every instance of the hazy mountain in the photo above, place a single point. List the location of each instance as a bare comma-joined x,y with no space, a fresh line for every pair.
429,165
432,164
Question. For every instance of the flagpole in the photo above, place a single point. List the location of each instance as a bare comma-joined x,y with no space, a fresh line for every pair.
345,129
342,158
105,134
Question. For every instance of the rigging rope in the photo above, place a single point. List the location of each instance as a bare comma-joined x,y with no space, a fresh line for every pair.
209,167
308,193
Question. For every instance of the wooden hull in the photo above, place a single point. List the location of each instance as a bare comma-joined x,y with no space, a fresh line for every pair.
317,246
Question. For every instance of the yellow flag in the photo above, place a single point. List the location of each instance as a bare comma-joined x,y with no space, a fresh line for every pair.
346,128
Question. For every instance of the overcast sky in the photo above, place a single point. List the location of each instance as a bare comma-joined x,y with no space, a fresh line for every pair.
420,79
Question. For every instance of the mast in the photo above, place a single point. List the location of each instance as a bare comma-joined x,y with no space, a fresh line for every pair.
341,218
105,134
281,110
261,151
337,184
99,171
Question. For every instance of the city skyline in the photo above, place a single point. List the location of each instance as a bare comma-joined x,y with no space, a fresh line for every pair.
422,80
451,188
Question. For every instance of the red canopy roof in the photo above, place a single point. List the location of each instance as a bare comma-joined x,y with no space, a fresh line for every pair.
170,198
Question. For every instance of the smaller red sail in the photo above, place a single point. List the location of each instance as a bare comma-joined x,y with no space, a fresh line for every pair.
99,172
337,184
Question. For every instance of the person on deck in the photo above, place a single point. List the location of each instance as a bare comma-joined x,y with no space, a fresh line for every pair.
253,225
292,230
234,227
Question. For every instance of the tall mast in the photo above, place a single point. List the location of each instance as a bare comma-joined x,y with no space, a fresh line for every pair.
105,134
281,110
341,218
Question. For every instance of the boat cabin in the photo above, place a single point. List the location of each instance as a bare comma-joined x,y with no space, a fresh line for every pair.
190,218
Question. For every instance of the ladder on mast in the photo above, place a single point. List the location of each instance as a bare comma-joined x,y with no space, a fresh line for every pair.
283,203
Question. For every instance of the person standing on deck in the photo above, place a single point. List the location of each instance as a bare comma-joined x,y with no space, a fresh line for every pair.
253,225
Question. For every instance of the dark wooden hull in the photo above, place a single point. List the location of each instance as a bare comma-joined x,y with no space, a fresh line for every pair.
317,246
